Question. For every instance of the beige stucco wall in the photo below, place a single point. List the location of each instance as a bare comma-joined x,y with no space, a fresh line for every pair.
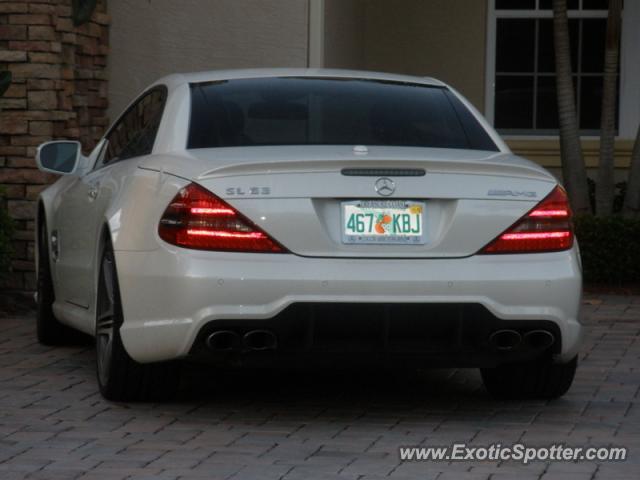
440,38
152,38
344,27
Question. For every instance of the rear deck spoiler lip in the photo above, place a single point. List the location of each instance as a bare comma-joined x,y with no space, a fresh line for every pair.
442,167
213,163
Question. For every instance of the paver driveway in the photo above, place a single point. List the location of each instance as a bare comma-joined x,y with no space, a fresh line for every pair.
55,425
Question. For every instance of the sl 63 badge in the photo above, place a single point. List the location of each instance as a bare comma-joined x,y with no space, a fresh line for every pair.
240,191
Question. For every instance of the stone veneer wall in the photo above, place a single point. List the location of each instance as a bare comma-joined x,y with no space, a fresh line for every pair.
59,90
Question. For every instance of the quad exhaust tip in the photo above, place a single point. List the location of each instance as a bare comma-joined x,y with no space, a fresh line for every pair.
511,339
539,339
260,340
254,340
224,341
505,339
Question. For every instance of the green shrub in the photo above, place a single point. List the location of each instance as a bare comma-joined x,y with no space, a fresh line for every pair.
6,229
610,249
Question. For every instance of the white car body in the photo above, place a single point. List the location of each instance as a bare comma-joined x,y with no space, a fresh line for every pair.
169,294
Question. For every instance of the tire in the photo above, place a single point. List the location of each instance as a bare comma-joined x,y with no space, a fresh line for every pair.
48,330
121,378
540,379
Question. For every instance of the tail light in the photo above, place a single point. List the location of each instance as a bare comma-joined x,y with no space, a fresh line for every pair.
197,219
546,228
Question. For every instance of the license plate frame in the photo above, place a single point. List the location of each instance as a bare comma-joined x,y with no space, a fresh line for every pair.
384,207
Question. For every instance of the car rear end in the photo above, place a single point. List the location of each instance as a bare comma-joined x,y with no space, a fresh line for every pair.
349,219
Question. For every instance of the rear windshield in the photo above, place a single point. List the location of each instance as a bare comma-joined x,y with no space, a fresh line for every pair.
330,111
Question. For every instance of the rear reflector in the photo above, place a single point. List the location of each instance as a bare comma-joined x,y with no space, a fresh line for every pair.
546,228
197,219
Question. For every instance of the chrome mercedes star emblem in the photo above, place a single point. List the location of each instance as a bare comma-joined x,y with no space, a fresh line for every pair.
385,186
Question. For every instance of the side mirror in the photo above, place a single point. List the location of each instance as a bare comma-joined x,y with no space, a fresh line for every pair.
61,157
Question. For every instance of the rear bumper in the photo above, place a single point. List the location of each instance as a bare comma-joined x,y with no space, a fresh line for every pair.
417,334
172,295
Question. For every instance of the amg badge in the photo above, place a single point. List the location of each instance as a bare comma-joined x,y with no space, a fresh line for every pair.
511,193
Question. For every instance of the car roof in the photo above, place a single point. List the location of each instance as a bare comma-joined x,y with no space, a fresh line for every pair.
178,79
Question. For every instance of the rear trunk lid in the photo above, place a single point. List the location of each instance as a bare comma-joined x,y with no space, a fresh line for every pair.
298,194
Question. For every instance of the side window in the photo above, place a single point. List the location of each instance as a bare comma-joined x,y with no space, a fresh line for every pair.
134,134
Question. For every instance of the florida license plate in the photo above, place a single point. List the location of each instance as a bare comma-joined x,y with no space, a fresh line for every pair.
383,222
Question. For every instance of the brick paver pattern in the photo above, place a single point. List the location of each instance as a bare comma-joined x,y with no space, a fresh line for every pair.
311,425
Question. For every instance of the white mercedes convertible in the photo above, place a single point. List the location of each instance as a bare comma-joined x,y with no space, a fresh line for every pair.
307,217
